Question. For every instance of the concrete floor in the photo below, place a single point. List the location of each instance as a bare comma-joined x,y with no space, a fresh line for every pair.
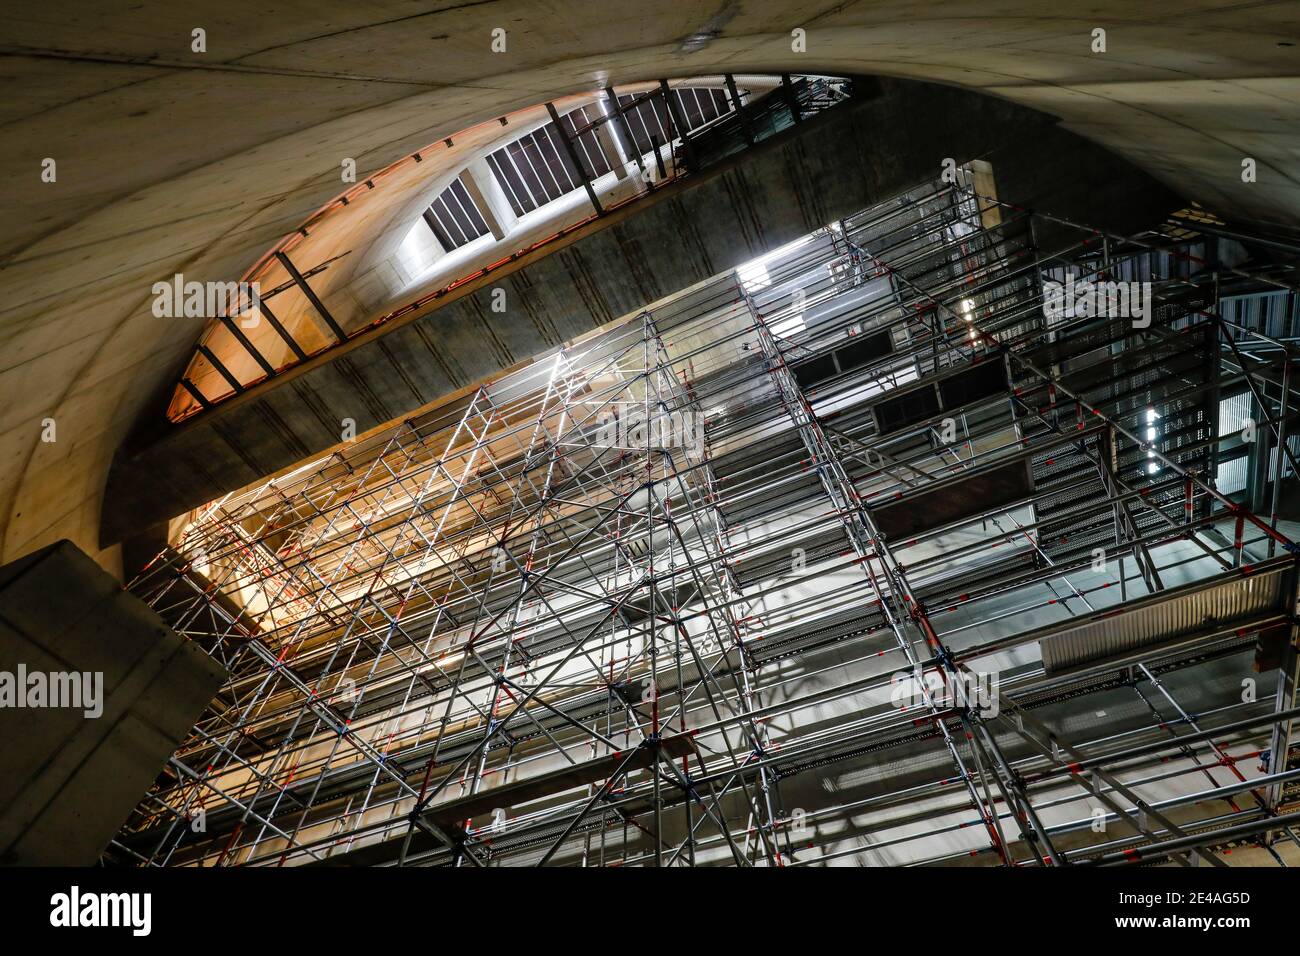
173,161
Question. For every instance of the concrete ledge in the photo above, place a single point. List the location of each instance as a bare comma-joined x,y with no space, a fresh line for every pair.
69,781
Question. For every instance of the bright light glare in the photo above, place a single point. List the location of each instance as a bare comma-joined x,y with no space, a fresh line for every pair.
753,276
788,327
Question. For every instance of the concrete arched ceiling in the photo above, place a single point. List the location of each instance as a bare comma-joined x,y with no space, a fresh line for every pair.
174,161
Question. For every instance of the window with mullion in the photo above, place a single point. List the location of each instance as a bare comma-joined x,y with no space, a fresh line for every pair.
454,217
535,169
587,144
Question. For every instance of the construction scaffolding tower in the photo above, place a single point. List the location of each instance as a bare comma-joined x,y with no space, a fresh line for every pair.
898,545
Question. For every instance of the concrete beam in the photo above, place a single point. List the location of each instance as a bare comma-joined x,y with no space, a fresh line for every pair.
473,179
69,778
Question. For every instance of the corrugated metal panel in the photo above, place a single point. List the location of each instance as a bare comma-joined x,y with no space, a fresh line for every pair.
1231,476
1273,313
1167,617
1292,442
1233,413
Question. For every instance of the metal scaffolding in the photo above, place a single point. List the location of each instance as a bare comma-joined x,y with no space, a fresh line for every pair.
870,551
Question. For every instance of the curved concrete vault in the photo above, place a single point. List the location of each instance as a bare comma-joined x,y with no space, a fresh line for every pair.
172,161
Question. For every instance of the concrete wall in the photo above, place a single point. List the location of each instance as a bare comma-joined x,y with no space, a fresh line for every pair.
173,161
68,781
894,135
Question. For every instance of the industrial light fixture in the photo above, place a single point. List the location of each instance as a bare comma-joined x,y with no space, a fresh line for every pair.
1153,435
